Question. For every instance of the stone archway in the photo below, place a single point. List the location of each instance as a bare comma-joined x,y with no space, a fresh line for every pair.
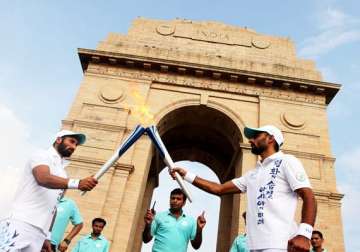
208,136
210,86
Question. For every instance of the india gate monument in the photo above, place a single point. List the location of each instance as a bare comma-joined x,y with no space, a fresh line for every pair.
203,82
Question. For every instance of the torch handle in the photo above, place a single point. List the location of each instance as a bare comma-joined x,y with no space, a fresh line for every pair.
183,185
134,136
106,166
170,164
155,137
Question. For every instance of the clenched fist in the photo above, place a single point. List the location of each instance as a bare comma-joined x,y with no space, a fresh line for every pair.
181,172
87,184
149,217
201,221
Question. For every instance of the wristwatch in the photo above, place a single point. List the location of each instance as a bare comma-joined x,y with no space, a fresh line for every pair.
67,241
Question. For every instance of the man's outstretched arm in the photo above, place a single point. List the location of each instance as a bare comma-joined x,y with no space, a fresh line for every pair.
44,178
211,187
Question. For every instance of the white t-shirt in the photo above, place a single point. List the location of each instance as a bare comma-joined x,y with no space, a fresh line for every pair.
33,203
271,200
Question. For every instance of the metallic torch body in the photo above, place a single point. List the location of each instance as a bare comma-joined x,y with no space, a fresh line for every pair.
134,136
155,137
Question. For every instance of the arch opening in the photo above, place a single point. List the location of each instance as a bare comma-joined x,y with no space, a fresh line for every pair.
207,136
161,195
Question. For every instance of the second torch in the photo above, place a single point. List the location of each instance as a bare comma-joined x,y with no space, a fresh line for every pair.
155,137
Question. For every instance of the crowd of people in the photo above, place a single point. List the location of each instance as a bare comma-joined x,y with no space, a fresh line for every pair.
41,212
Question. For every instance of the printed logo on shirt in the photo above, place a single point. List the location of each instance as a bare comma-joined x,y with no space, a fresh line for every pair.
253,174
278,162
300,176
98,245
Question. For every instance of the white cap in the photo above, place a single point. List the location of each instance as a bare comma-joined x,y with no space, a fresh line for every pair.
270,129
79,136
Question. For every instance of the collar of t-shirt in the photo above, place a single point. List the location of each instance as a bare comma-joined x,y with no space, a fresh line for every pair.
53,152
100,237
270,158
63,199
182,213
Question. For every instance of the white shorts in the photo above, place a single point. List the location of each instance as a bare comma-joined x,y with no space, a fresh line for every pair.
19,236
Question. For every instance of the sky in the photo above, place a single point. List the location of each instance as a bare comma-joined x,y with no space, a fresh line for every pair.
40,72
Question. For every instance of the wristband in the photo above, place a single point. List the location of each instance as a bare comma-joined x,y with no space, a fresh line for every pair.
189,177
73,183
67,241
305,230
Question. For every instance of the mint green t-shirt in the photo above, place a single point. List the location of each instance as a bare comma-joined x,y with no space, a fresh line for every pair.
239,244
172,234
66,211
88,244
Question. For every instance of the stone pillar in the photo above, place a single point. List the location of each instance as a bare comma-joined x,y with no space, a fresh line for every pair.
132,202
225,221
151,184
114,196
327,220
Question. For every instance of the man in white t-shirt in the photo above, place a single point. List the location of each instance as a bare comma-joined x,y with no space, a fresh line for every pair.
41,186
272,188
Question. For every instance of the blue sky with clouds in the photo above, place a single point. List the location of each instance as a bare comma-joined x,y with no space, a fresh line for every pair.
40,70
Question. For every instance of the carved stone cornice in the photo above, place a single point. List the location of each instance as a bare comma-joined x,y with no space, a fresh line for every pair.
205,83
95,164
298,154
336,196
151,64
93,125
326,196
309,155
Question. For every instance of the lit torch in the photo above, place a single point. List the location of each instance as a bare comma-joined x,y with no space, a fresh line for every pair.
155,137
134,136
142,111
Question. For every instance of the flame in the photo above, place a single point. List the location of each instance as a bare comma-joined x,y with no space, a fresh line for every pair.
140,110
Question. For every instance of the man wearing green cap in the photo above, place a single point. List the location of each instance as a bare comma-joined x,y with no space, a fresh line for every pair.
272,189
41,186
